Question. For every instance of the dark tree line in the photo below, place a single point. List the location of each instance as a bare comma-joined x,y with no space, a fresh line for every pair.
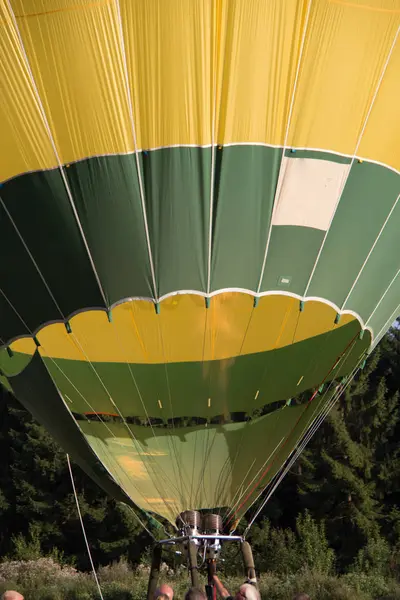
348,478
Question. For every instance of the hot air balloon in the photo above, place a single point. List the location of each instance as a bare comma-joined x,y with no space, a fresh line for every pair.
199,216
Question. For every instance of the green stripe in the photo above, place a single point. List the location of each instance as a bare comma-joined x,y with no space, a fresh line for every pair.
177,191
245,182
367,199
176,185
231,384
39,206
291,256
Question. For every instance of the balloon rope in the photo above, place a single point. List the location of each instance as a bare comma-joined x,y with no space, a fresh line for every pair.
179,465
118,465
370,252
298,420
54,147
83,528
280,334
156,439
393,316
296,453
138,169
382,297
130,433
353,157
281,174
214,41
243,491
69,380
309,430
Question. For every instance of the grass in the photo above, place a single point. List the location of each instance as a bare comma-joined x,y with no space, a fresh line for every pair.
44,579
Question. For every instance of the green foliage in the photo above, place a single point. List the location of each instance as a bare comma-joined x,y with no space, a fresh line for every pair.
314,549
374,558
27,548
46,581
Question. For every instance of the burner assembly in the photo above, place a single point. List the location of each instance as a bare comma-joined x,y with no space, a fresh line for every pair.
200,535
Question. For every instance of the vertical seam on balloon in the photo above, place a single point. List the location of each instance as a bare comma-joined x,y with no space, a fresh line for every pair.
281,175
98,415
53,145
299,448
370,252
353,157
382,297
298,420
179,464
130,432
121,345
139,174
213,119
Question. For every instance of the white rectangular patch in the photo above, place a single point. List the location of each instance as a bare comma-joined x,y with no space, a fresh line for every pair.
309,191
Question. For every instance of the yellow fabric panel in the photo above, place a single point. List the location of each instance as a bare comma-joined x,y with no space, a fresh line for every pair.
135,471
273,323
74,49
185,330
318,317
381,138
168,47
24,345
186,59
257,53
346,48
24,143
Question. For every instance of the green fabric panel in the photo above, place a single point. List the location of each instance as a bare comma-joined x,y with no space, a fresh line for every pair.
230,384
107,197
367,199
245,182
39,206
381,268
13,365
292,254
38,394
11,325
177,192
176,186
337,158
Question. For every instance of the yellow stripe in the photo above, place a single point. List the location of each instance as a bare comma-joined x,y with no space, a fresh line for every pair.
181,57
362,6
177,333
344,56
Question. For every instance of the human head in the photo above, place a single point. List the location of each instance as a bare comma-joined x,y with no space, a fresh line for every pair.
195,594
248,591
164,592
12,595
302,596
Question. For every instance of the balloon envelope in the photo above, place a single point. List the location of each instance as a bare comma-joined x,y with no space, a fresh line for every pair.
198,222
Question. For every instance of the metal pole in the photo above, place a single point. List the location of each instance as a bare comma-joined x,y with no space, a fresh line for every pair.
192,558
248,563
154,572
211,590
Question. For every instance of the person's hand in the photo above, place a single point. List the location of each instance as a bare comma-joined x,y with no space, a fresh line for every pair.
221,589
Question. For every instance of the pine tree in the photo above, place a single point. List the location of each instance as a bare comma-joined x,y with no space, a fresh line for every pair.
37,505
